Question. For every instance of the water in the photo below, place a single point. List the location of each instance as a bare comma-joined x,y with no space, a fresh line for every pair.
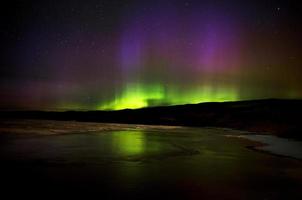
114,161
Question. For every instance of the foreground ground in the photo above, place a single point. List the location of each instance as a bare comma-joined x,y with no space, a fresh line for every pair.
42,159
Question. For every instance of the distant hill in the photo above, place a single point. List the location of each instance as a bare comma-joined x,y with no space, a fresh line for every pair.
275,116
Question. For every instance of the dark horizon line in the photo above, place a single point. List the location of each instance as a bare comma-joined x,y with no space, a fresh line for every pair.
150,107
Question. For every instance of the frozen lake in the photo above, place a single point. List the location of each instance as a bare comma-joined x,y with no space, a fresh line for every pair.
278,146
114,161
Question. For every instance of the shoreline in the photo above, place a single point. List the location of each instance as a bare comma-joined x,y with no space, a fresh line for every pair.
269,146
278,117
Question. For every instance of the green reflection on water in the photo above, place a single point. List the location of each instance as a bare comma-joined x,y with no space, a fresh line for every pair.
129,142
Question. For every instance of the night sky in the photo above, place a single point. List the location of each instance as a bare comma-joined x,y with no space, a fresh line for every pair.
115,54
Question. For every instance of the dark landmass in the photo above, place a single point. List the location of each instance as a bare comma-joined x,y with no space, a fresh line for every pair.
273,116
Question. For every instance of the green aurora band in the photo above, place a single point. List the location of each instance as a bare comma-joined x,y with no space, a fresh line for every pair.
146,95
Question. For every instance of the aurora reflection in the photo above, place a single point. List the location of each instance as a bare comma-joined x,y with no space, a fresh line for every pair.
128,143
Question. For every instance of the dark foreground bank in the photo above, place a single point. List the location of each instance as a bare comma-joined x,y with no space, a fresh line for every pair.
65,160
275,116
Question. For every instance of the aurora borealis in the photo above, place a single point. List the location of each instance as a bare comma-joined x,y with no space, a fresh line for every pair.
109,55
